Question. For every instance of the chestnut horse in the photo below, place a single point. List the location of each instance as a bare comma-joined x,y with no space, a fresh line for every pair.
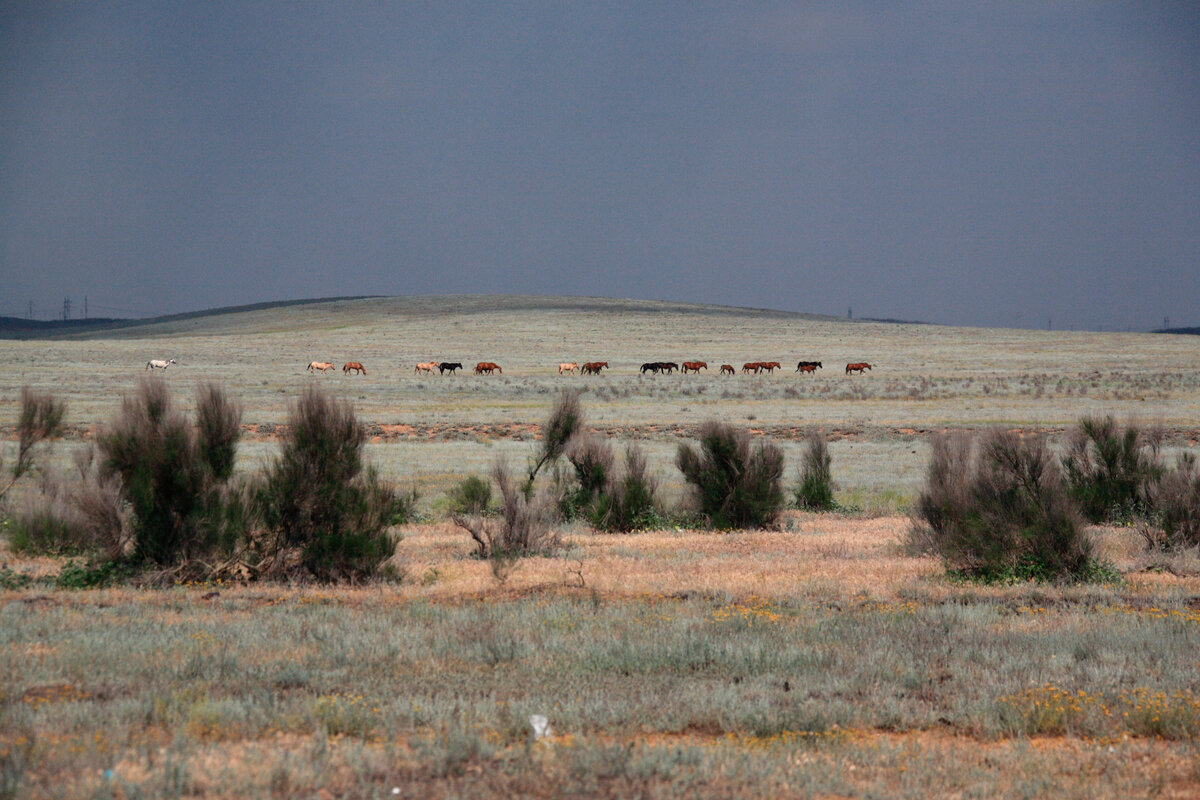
727,369
593,367
857,367
487,368
354,366
694,366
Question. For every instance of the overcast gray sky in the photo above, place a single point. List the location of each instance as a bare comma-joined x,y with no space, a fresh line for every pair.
991,163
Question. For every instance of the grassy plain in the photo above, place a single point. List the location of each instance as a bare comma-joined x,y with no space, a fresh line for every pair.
814,661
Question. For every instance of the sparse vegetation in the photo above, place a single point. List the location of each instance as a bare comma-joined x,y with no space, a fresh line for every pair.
998,508
320,499
1110,470
815,490
736,484
40,419
166,469
674,661
522,528
1175,498
472,495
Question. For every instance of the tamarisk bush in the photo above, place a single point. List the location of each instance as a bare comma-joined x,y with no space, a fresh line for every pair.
320,499
999,508
815,491
171,473
1110,469
735,484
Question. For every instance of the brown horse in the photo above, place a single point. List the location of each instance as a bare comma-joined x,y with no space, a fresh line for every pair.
354,366
727,369
694,366
593,367
857,367
769,366
806,368
487,368
752,366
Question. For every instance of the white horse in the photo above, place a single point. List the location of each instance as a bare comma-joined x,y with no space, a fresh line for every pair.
158,363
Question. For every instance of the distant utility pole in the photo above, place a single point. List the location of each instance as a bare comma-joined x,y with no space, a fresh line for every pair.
66,308
85,307
1166,323
30,309
1049,323
849,312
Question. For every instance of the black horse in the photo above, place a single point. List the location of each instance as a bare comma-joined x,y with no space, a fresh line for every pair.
448,366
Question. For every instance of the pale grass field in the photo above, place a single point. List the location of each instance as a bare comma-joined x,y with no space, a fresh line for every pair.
927,379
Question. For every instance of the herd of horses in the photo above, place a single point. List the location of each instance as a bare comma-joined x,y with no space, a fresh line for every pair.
569,367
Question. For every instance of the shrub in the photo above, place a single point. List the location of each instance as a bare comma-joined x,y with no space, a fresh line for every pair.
163,476
40,419
565,418
1176,501
816,482
472,495
627,502
592,460
523,527
1109,470
1000,512
735,485
319,499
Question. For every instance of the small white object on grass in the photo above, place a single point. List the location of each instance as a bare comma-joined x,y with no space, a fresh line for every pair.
541,727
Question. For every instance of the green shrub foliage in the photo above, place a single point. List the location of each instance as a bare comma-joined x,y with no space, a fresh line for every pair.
320,499
1110,470
735,484
165,474
610,499
1000,509
565,419
815,491
472,495
522,528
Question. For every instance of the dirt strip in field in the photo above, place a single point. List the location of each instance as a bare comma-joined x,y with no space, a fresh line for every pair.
526,431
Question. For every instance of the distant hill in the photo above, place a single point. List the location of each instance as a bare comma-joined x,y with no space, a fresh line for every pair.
331,312
1192,331
18,328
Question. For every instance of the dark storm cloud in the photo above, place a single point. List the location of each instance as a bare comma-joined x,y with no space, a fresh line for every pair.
998,164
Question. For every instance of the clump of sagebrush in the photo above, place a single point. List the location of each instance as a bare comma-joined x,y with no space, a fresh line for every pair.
1175,498
815,490
565,418
40,419
592,460
610,499
736,485
171,472
523,526
998,509
472,495
1110,470
320,499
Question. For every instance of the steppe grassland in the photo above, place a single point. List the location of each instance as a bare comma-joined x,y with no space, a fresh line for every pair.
925,377
813,661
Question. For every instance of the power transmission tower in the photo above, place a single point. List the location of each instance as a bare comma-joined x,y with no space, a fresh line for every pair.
66,308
